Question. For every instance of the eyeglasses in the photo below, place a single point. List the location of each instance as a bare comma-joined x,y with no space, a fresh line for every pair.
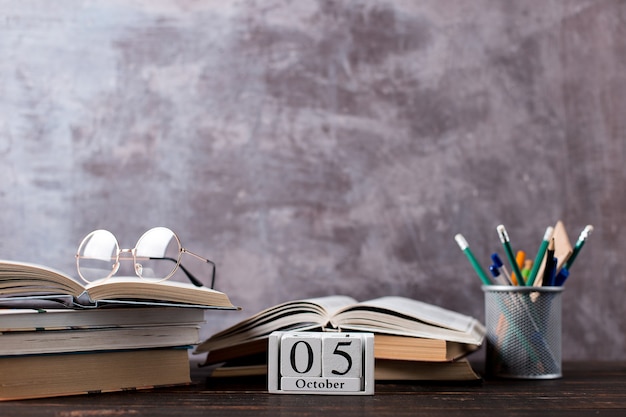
157,255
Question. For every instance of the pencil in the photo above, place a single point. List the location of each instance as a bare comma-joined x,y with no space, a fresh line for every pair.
548,270
506,243
579,244
520,257
460,240
540,253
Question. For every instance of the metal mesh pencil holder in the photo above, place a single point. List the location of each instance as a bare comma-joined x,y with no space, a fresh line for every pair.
523,331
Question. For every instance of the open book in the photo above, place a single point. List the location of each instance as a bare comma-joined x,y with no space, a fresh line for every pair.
403,328
20,281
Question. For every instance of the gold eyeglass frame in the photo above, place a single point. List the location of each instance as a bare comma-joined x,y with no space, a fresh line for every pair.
137,266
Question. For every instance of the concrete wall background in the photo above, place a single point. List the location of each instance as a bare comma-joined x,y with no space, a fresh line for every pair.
323,147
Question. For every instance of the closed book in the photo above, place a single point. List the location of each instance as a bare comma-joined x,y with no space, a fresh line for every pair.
59,341
395,370
36,376
384,370
23,319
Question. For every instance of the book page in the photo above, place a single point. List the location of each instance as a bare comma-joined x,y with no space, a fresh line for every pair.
424,312
403,316
411,328
313,310
332,303
22,278
135,290
304,314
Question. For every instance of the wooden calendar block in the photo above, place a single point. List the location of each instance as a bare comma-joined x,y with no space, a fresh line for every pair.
321,363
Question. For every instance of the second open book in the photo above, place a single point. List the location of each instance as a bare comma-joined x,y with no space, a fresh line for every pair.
404,328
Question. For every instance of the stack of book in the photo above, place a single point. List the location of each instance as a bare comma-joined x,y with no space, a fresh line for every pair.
412,340
123,334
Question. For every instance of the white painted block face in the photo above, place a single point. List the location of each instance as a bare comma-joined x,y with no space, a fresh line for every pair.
301,355
342,356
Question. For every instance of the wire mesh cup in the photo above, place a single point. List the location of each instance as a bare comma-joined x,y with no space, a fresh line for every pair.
523,331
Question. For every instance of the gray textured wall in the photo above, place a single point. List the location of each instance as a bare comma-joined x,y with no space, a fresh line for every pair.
319,147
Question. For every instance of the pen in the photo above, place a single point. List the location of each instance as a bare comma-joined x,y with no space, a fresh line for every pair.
548,270
497,277
497,262
460,240
504,238
540,253
561,277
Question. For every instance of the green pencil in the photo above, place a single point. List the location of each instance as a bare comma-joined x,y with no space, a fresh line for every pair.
460,240
540,254
506,243
579,244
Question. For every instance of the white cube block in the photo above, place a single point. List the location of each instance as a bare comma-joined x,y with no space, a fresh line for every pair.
343,355
301,354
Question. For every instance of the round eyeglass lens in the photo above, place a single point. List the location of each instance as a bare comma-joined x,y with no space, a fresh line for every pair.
97,255
157,254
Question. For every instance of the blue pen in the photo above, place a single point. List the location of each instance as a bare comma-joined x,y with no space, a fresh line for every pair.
561,276
497,262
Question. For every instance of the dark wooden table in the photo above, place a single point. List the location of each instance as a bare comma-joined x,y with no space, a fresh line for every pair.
587,388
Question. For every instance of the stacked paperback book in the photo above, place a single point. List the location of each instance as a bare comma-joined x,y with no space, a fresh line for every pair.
412,340
60,338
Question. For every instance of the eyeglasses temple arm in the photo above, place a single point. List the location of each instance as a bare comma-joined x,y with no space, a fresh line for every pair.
205,260
195,281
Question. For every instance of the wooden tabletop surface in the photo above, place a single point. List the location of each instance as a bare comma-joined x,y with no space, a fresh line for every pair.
587,388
